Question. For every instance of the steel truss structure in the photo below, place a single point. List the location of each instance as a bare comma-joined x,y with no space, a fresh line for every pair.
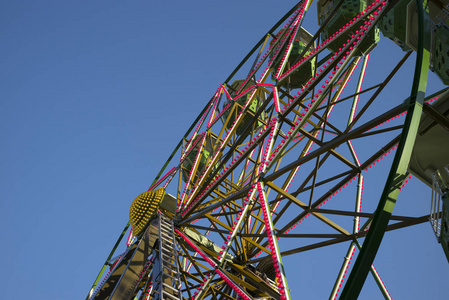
251,192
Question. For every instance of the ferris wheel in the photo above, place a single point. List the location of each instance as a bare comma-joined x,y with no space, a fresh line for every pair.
275,165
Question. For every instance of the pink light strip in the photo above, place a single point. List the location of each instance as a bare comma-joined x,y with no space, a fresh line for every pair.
345,28
277,106
130,237
262,59
215,105
272,241
194,166
292,38
264,84
106,276
189,146
162,179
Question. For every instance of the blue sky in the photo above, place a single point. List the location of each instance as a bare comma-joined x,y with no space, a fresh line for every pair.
94,96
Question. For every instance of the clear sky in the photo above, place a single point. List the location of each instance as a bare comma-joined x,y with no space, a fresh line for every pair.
94,95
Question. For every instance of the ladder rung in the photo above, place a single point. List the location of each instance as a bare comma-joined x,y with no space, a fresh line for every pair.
170,287
167,234
168,275
169,263
167,244
166,247
168,257
170,295
165,230
166,226
167,252
170,268
165,220
166,240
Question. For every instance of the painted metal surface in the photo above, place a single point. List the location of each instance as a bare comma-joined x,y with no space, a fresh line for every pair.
244,185
397,174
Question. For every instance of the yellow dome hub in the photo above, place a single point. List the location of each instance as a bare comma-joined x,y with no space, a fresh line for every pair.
143,208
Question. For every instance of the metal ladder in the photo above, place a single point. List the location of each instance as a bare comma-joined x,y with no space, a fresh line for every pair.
439,187
167,280
443,16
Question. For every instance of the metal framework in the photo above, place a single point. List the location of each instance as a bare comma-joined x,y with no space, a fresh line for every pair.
253,191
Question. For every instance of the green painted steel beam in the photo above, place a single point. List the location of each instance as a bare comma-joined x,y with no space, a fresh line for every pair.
401,160
106,262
